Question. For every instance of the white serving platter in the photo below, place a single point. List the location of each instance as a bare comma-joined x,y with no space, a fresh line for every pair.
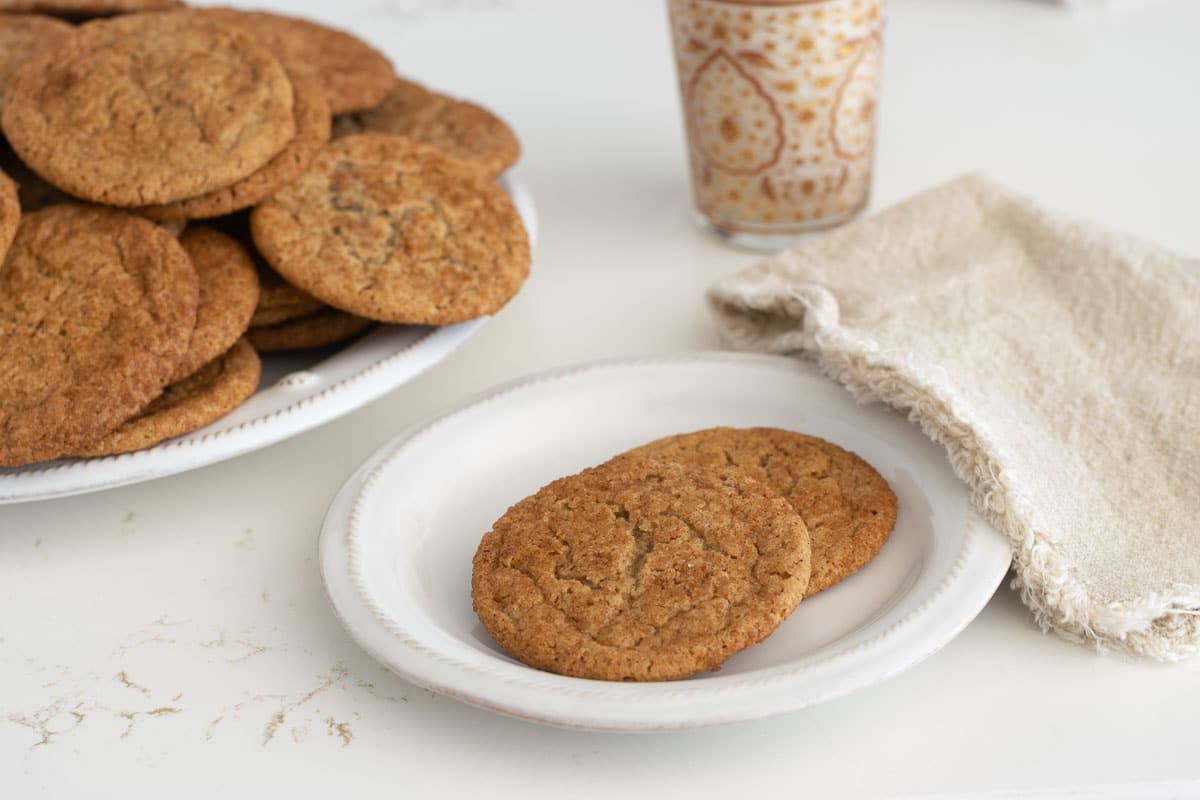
397,543
298,392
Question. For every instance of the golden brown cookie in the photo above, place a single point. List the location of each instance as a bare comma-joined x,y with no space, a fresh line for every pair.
395,231
88,8
312,133
464,130
22,35
228,296
640,570
10,213
208,394
328,326
354,74
149,108
848,506
96,309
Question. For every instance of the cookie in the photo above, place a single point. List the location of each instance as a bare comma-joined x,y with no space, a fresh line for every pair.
640,570
328,326
279,301
312,119
354,74
22,35
282,303
10,213
88,8
464,130
88,117
228,296
396,231
848,506
208,394
96,309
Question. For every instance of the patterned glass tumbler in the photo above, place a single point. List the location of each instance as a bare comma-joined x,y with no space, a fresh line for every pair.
779,105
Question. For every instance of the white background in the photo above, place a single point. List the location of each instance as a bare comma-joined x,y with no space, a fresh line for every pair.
173,637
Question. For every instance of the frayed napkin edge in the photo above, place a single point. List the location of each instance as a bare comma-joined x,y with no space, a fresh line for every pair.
1164,627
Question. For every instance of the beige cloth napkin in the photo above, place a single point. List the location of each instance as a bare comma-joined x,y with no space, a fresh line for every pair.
1057,362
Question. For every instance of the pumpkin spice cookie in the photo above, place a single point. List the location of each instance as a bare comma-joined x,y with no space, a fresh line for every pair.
640,570
10,213
395,231
201,399
96,309
848,506
21,36
313,121
354,74
325,327
464,130
85,116
228,296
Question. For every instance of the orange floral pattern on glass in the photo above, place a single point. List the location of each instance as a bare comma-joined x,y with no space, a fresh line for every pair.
779,104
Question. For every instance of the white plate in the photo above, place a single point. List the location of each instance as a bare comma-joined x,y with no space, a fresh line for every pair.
298,392
397,542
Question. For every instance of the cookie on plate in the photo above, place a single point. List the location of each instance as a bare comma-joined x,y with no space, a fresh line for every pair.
640,570
464,130
327,326
848,506
96,310
23,35
228,296
354,74
201,399
85,117
396,231
312,119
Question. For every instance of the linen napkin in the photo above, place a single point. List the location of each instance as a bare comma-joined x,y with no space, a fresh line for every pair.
1059,365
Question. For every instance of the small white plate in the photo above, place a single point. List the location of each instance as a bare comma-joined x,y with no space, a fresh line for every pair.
397,542
298,392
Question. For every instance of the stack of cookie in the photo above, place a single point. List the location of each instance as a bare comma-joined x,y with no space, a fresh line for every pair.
178,201
670,558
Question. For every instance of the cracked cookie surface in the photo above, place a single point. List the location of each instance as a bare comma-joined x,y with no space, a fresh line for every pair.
313,121
640,570
23,35
202,398
354,74
460,129
228,296
848,507
96,309
395,231
149,108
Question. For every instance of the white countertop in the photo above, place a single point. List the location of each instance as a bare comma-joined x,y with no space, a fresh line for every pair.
174,637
